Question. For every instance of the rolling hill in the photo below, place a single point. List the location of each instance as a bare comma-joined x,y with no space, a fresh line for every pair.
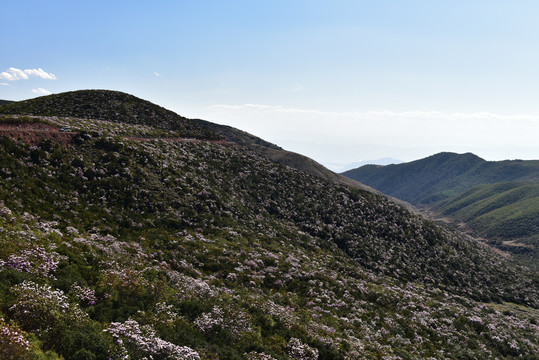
507,213
118,107
133,241
497,199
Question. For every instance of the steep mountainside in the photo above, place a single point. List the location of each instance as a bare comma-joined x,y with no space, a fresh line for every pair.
112,106
132,242
277,154
507,213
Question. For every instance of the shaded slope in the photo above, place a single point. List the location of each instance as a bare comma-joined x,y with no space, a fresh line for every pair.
5,102
421,181
277,154
441,176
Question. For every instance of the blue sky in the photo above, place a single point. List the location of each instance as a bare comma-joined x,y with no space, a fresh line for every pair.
339,81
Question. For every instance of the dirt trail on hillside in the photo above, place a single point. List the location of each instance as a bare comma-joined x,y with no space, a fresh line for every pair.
34,133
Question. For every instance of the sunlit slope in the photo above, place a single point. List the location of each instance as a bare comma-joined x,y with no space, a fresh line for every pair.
507,213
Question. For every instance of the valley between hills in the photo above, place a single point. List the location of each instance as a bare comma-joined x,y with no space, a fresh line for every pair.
141,234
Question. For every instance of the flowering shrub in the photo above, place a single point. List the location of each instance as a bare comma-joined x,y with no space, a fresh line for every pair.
138,341
85,295
207,321
39,307
220,250
189,287
123,281
4,210
236,322
13,343
253,355
300,351
36,261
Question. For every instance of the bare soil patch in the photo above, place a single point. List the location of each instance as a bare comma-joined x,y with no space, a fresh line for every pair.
34,133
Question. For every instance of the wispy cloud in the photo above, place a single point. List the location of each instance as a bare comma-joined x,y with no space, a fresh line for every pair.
14,74
4,84
41,91
157,74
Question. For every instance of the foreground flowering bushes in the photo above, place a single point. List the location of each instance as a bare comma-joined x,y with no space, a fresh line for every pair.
13,343
144,342
113,248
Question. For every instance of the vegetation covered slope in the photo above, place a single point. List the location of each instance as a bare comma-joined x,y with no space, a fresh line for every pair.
4,102
277,154
507,213
441,176
120,107
108,105
497,200
122,248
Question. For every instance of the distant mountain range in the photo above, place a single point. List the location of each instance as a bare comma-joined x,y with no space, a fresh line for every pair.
4,102
341,167
497,199
131,232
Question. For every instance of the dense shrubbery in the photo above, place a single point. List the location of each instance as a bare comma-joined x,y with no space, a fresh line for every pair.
113,248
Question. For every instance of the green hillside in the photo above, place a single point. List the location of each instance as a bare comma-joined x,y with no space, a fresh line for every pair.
107,105
118,107
128,244
506,213
496,199
441,176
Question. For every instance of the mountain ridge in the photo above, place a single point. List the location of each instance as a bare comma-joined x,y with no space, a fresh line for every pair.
442,175
5,102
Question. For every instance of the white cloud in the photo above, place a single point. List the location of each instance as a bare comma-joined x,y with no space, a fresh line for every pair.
41,91
13,74
4,84
157,74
